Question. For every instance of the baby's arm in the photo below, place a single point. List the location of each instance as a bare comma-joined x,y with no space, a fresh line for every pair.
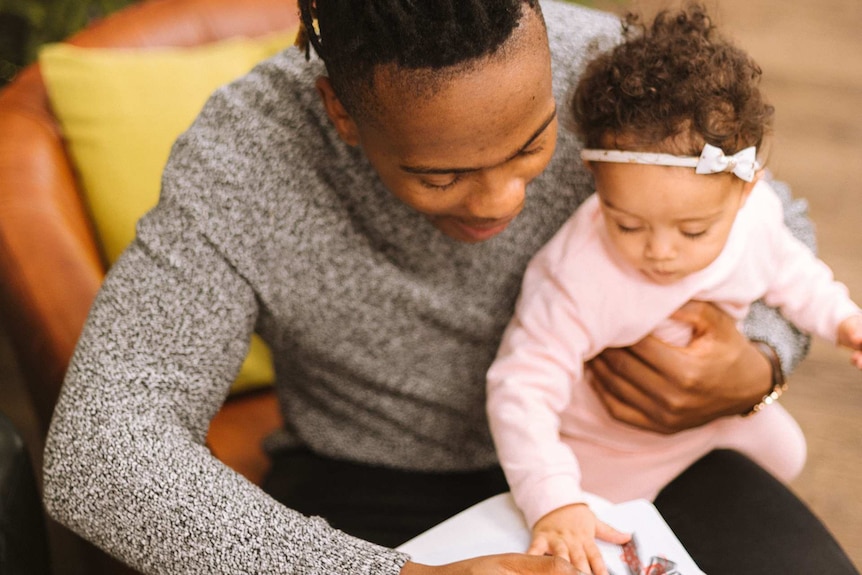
766,323
530,384
850,335
570,532
801,285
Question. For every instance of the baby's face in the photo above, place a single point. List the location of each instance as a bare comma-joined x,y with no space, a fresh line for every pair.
667,222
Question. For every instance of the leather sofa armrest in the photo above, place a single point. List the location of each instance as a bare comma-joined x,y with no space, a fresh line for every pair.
49,261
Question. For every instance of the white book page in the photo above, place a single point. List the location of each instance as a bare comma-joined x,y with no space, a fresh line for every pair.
496,526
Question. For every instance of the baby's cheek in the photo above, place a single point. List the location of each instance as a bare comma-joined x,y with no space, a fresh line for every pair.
630,248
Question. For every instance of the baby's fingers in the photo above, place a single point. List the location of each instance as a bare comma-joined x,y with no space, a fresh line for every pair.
594,556
562,548
539,546
550,544
607,533
559,545
582,559
850,332
856,359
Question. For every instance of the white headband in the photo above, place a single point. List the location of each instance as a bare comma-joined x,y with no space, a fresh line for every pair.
712,160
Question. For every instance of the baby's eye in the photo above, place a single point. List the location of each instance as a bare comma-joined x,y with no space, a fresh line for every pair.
692,234
442,183
628,229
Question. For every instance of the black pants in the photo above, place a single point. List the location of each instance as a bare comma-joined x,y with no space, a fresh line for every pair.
731,515
23,540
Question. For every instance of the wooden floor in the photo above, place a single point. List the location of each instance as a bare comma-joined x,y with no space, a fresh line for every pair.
811,53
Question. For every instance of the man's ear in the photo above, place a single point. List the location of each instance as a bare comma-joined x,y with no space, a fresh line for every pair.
344,124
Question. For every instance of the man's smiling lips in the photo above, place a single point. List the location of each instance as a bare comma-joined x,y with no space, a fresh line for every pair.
483,231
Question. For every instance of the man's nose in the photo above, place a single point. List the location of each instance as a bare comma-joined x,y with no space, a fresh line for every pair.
498,194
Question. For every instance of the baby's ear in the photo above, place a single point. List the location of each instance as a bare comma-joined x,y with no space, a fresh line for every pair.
748,186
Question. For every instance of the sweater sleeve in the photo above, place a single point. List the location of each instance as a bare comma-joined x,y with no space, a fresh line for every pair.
766,323
125,462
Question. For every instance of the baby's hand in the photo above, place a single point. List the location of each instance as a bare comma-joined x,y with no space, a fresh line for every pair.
570,532
850,335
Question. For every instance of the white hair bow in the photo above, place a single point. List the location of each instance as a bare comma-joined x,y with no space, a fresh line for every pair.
743,163
712,160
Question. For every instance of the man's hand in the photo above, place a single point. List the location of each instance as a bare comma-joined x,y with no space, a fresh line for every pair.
659,387
508,564
570,532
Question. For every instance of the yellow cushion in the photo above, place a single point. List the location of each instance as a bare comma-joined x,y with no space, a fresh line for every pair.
121,110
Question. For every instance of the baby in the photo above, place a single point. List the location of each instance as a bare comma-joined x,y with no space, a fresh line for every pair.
672,120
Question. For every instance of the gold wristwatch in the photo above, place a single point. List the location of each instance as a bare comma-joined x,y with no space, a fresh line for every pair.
779,385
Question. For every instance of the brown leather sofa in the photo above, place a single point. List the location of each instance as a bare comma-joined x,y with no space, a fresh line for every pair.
50,264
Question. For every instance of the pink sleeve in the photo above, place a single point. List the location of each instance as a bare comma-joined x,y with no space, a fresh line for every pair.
803,287
529,384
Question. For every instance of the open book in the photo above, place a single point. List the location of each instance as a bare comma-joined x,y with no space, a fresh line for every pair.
496,526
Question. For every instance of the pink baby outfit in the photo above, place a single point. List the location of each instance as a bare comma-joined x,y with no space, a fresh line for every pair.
554,437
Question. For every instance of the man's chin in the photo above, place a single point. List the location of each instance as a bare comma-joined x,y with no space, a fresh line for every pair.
471,234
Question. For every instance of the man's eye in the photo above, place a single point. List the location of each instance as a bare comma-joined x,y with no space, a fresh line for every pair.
440,183
532,151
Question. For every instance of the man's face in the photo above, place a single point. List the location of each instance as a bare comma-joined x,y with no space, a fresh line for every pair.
463,154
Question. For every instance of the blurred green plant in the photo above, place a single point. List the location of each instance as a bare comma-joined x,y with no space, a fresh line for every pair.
27,24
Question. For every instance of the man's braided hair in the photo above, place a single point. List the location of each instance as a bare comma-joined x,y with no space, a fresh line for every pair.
355,37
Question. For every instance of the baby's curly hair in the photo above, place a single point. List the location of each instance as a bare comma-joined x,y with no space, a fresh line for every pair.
671,87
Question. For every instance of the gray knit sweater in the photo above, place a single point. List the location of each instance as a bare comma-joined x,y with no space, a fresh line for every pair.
381,329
